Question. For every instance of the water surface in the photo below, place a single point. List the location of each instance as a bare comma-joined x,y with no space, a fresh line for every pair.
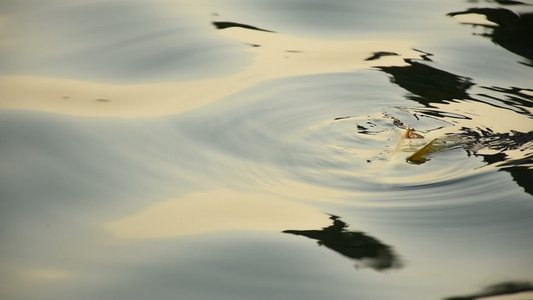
257,150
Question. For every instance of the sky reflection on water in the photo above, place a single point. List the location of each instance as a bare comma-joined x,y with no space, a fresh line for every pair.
157,150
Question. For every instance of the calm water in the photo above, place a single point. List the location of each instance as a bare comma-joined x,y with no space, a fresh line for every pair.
256,149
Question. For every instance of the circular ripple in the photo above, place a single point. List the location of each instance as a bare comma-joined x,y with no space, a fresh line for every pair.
338,131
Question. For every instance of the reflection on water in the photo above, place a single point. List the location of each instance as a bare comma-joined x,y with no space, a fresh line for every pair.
429,84
433,87
379,54
510,288
513,32
353,244
110,42
215,212
148,152
279,56
224,25
518,98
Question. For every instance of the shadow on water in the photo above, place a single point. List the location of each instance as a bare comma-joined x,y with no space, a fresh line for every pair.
513,32
353,244
500,289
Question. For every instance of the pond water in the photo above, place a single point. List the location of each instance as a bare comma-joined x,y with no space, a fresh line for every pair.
257,149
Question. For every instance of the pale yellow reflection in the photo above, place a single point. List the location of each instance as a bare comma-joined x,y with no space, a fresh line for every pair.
485,115
527,92
474,19
279,56
30,281
221,210
47,274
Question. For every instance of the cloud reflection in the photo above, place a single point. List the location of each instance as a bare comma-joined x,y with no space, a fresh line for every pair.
233,65
216,211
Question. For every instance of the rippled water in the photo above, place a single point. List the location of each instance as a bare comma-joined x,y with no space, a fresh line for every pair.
257,149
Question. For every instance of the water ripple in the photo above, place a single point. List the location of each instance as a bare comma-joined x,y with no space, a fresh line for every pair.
334,131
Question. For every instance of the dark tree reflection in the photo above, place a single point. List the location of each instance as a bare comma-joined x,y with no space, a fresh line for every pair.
353,244
224,25
519,168
499,289
513,32
429,84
